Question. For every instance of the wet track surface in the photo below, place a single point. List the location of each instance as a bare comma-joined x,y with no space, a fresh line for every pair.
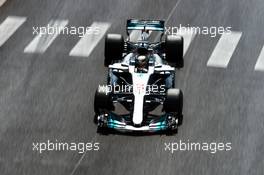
49,96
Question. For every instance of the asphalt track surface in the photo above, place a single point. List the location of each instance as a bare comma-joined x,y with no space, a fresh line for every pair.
50,95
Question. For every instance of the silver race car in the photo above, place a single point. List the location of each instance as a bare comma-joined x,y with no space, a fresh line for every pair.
141,79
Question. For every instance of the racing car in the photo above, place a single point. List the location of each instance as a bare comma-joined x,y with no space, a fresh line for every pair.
141,76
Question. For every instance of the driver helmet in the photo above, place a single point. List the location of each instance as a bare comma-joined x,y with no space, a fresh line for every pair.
142,61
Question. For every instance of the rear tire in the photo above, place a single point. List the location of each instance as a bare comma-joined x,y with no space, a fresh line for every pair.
114,47
174,50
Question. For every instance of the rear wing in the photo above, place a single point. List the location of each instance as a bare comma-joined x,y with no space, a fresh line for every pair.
153,25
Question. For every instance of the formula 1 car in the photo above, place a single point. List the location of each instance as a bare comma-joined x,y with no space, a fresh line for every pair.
141,78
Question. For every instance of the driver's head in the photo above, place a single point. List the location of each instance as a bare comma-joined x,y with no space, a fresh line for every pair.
142,61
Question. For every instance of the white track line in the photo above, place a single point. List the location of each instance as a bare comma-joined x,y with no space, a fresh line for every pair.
224,50
89,41
188,35
260,63
42,41
172,11
82,157
2,2
9,26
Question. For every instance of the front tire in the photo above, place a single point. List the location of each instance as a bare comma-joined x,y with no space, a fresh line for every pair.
103,100
173,102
